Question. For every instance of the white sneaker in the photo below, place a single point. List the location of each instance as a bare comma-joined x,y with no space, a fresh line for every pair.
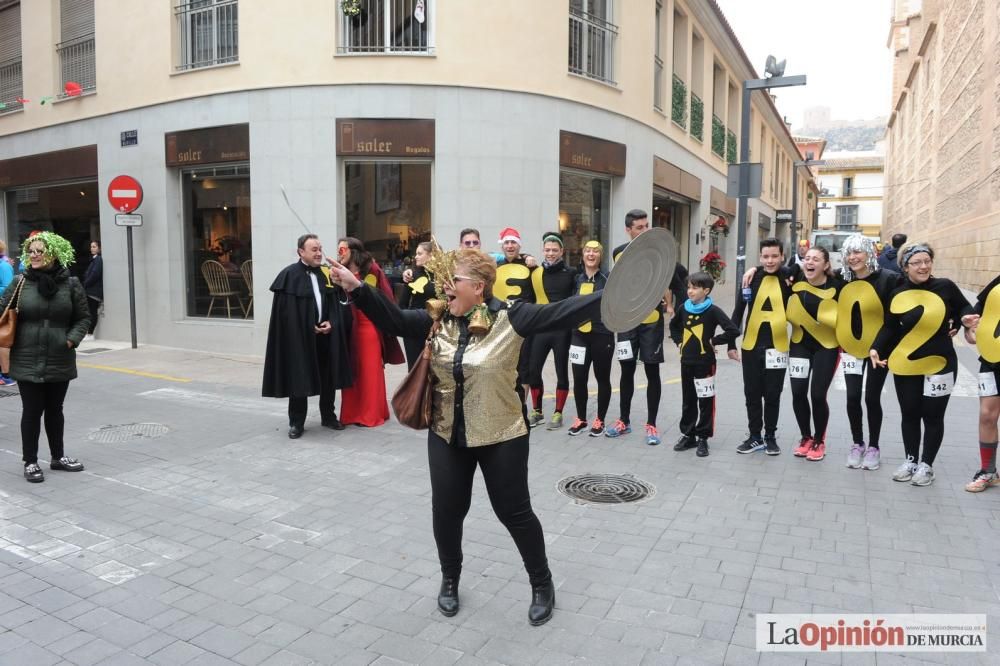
854,457
905,471
924,476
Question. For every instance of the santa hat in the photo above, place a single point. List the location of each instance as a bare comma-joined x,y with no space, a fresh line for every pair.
510,234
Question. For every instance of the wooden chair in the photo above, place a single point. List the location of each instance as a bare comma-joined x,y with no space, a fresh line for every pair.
246,270
218,286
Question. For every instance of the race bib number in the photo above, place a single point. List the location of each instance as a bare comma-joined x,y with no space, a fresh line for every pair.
987,384
798,368
936,386
625,350
775,360
577,354
705,388
851,365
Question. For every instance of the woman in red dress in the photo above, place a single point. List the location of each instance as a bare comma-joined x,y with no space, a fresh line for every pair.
364,403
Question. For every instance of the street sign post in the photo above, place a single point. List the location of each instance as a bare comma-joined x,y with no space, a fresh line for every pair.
125,196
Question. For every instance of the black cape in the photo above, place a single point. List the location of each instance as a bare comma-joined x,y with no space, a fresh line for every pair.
294,351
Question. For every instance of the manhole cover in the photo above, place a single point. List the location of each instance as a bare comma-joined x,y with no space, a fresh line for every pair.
606,488
118,434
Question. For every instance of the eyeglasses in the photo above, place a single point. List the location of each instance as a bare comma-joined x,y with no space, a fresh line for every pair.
460,278
471,243
35,253
921,263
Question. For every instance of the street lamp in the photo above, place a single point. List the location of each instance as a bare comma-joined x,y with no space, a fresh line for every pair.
807,162
776,80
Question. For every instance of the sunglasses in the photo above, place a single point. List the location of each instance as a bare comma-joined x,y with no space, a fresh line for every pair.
471,243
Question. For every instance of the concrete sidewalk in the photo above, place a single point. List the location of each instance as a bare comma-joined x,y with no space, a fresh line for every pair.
210,538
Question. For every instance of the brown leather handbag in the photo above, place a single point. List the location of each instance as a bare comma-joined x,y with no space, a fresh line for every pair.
412,400
8,320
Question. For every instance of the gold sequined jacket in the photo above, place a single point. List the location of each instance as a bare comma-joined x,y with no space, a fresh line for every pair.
477,400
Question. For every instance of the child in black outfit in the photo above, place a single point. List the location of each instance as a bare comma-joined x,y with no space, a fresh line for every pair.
693,330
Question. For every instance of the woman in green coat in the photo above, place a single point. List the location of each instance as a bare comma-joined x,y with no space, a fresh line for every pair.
52,320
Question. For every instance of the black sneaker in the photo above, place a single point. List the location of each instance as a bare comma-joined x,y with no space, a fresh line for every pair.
33,473
66,464
684,443
771,447
750,444
702,445
579,425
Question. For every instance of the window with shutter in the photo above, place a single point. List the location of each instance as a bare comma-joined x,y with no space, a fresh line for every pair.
77,61
11,82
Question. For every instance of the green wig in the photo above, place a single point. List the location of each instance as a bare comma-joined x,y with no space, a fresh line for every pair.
56,247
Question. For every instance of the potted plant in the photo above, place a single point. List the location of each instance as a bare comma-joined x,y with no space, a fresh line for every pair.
351,8
713,264
720,226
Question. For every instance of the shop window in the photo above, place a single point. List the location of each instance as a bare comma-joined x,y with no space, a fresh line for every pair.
584,209
672,215
70,210
218,243
388,208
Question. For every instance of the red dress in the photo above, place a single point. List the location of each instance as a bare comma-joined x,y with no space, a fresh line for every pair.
364,403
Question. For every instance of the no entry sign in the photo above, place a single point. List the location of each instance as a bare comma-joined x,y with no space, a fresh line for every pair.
125,193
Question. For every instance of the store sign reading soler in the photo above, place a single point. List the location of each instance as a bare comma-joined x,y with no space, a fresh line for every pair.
385,137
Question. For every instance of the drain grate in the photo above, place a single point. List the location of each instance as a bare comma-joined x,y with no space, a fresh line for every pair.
606,488
120,434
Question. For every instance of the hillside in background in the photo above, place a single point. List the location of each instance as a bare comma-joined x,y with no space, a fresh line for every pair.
852,138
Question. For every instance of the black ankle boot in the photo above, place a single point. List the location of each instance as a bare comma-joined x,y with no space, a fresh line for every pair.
543,599
448,596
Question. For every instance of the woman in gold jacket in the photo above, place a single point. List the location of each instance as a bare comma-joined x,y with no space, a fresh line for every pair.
478,413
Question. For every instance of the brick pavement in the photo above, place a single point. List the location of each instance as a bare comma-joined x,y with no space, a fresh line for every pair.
223,542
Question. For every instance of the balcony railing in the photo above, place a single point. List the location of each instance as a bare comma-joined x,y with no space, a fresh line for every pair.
209,33
718,136
386,26
592,46
678,102
730,146
77,62
11,86
658,83
697,117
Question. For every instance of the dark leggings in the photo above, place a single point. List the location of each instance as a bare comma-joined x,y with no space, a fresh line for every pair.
762,391
600,351
93,305
814,388
873,380
505,470
915,408
653,390
541,344
38,400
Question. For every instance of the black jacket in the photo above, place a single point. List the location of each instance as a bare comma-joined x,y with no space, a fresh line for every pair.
293,356
694,333
553,283
761,336
93,278
417,291
589,285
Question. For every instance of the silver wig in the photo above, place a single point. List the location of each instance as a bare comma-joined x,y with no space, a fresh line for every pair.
858,243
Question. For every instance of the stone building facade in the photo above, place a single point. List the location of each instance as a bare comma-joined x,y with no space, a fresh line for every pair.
943,156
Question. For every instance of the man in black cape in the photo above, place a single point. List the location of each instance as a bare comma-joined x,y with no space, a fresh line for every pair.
306,339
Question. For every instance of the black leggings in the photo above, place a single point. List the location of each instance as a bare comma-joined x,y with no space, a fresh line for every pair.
653,389
600,349
822,369
762,392
38,400
873,380
505,470
94,306
541,344
915,408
